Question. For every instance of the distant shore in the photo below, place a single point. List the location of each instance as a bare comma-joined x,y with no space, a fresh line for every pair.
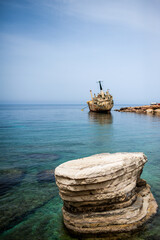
149,109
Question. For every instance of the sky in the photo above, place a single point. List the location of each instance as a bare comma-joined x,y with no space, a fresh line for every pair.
55,51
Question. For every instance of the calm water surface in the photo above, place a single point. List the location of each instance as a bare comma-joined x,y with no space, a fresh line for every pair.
35,138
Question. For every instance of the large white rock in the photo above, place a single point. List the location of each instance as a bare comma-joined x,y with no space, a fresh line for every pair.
118,220
110,177
100,165
104,193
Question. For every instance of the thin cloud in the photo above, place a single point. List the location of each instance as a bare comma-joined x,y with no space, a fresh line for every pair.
140,15
58,44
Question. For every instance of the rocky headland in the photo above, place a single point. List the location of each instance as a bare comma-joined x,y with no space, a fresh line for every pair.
104,193
150,109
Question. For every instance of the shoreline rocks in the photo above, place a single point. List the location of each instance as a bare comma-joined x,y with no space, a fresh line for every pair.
149,109
104,193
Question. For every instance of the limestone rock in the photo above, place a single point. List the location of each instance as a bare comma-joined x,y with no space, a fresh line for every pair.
149,109
98,167
104,193
123,219
157,111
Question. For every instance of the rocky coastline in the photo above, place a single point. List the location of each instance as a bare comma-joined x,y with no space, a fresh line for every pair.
104,193
149,109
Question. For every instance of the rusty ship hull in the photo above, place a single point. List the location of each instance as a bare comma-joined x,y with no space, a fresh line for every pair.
105,108
101,103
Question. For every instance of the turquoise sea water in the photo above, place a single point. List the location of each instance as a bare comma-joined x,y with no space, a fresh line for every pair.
35,138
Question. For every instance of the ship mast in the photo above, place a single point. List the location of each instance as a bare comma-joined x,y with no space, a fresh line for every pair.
100,85
101,89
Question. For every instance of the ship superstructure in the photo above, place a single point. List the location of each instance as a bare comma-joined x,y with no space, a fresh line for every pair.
103,102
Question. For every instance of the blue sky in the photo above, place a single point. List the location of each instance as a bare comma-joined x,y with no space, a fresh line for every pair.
54,51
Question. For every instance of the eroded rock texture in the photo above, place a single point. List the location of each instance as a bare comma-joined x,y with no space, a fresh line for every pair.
149,109
104,193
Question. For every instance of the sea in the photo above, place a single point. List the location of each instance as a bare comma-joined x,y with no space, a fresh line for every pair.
35,139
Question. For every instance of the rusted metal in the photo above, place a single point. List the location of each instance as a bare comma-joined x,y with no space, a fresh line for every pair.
103,102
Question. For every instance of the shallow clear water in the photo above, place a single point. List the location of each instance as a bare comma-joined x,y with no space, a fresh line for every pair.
35,138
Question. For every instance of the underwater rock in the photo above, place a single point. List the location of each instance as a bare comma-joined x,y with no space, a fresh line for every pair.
43,156
104,193
25,202
10,178
46,176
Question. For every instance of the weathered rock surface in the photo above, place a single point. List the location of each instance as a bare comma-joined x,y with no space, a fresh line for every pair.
104,193
157,111
149,109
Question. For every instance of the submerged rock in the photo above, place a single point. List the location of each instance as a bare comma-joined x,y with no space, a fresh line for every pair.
46,176
104,193
43,156
23,204
10,178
